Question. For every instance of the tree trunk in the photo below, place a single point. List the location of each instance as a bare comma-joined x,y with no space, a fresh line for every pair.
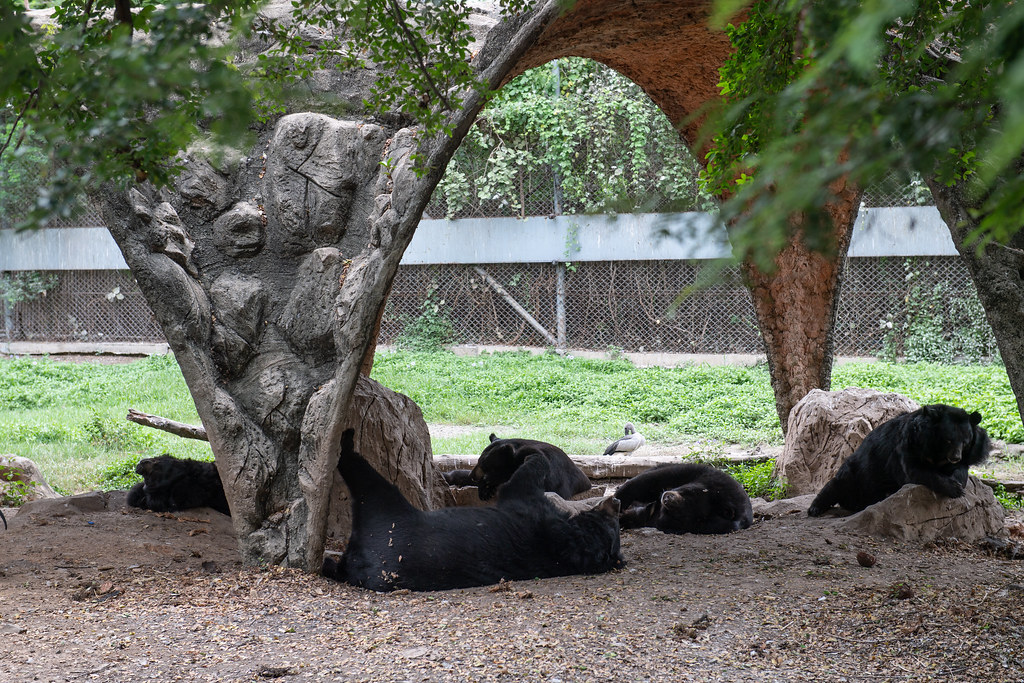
796,305
267,274
998,274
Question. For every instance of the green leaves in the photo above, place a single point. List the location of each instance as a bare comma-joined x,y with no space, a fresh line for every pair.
824,93
422,48
578,131
112,99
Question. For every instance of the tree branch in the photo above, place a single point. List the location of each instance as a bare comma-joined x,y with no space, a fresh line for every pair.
162,423
123,13
399,15
32,96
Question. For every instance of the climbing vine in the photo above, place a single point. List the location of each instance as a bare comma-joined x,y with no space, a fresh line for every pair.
570,137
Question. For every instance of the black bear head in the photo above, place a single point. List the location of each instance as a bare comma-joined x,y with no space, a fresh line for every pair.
494,467
942,433
159,467
687,507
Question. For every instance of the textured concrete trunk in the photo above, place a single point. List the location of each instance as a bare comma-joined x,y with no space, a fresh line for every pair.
998,273
796,305
268,273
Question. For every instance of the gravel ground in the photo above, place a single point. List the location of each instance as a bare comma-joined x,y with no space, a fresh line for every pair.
130,595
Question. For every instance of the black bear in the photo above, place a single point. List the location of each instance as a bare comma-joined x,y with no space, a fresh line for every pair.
502,457
685,498
170,484
459,478
524,536
933,446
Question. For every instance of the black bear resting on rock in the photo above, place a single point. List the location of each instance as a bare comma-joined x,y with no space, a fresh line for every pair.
170,484
524,536
503,456
685,498
933,446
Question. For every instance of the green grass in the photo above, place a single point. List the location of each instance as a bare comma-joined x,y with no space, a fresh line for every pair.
69,418
582,404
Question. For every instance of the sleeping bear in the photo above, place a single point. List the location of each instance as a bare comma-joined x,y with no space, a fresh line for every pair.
933,446
170,484
685,498
503,456
524,536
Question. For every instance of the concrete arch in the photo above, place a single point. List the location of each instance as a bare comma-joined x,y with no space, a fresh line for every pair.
664,46
668,49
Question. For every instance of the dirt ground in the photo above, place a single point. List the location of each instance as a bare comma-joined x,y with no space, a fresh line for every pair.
120,594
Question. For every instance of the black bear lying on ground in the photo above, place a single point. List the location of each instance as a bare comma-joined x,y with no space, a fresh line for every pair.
502,457
524,536
685,498
933,446
169,484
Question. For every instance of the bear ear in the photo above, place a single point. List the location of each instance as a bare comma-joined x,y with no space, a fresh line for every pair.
493,437
975,418
928,411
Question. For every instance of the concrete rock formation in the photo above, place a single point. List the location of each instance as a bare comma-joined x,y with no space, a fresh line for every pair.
915,513
21,480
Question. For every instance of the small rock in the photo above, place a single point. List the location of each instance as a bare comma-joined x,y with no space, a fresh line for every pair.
11,629
866,559
275,671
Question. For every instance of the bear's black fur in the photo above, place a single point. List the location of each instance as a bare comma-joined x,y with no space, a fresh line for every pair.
502,457
169,484
459,478
685,498
933,446
524,536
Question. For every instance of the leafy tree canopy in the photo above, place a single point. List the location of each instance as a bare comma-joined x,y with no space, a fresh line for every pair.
106,104
115,89
570,137
818,91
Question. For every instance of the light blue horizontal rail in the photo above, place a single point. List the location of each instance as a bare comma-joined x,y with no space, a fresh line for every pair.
903,231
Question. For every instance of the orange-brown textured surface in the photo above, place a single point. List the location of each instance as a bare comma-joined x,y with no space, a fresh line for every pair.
664,46
796,305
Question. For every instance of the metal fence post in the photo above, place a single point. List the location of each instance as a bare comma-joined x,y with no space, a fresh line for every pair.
560,304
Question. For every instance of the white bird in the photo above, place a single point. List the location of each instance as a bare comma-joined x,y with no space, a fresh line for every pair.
627,444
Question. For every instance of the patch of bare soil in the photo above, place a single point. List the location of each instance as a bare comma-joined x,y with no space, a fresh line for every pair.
120,594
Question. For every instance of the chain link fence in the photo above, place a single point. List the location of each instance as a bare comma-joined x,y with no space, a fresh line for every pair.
915,308
83,306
